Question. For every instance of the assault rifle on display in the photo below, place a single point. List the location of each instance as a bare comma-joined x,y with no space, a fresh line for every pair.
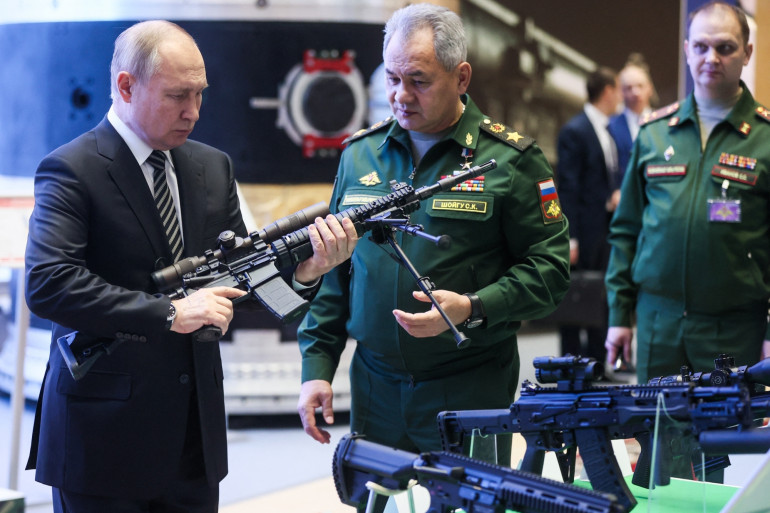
575,414
254,263
455,481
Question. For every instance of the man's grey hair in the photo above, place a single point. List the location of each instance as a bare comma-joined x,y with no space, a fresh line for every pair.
136,51
449,41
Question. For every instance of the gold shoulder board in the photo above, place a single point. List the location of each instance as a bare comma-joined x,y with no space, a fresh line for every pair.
661,113
506,134
366,131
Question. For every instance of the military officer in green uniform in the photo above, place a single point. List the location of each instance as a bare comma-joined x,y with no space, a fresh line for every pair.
508,261
691,237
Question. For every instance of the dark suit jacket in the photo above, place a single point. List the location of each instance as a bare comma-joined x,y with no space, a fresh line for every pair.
95,238
619,131
584,187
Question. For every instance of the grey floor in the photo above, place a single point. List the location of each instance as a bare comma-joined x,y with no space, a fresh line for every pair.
262,460
271,456
275,456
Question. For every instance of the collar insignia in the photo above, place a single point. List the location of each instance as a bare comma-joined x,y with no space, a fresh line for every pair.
745,128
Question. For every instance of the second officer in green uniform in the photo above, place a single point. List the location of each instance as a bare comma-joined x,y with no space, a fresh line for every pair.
691,237
508,261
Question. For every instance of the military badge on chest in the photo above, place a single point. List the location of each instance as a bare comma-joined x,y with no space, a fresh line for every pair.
731,168
370,180
472,185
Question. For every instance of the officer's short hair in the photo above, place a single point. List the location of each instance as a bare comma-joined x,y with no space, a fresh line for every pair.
449,41
717,4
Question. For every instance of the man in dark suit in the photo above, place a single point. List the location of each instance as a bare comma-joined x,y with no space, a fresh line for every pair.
588,188
144,429
638,96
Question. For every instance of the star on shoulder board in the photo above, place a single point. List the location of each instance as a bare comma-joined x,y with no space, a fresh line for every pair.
506,134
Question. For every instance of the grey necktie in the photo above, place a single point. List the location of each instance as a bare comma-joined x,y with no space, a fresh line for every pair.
165,203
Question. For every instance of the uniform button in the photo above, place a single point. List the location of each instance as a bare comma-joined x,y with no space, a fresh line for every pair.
142,338
119,335
684,314
135,338
184,379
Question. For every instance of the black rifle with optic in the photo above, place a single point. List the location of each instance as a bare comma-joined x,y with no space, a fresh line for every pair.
254,263
575,414
455,481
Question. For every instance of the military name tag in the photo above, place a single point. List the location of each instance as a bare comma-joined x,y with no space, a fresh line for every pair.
735,175
477,207
358,199
666,170
724,210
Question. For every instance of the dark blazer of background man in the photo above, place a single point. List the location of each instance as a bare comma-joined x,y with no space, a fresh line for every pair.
638,96
586,180
150,415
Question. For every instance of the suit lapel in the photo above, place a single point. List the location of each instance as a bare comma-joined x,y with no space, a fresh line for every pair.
192,196
128,177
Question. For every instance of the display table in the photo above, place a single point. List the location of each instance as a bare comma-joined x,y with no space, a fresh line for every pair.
11,501
681,496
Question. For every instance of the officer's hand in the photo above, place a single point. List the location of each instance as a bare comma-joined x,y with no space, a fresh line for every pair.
431,323
765,350
618,338
204,307
332,243
316,393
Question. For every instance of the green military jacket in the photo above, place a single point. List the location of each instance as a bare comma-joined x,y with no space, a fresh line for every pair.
669,240
510,245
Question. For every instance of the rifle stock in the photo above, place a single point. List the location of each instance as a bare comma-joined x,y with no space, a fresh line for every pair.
455,481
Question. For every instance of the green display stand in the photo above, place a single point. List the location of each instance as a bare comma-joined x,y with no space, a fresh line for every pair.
11,501
681,496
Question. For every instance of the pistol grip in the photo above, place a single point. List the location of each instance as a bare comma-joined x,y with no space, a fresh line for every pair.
533,457
207,334
642,469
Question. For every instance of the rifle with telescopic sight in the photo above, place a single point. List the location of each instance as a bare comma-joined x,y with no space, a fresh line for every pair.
254,263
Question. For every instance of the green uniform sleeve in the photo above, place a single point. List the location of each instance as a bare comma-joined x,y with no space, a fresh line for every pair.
624,233
537,281
322,335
